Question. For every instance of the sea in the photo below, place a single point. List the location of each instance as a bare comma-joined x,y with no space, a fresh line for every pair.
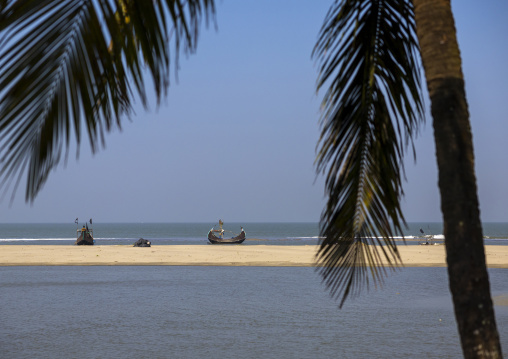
224,312
196,233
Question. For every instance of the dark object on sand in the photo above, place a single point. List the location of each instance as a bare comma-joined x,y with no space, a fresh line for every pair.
142,243
85,236
216,236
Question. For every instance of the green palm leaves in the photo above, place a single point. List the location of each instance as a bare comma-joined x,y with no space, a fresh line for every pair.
370,112
67,60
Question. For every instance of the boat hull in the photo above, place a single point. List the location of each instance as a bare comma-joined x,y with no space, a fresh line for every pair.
235,240
85,239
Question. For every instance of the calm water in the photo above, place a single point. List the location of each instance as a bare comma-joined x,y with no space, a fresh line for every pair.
222,312
225,312
195,233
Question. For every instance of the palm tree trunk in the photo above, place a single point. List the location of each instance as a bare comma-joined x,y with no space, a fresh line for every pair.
467,271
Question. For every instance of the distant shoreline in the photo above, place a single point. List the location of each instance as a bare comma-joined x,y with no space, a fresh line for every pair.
210,255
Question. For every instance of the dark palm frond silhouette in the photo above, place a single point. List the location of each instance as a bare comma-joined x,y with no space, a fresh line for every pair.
67,60
367,51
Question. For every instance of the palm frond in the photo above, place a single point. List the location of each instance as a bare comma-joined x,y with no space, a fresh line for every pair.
69,63
367,50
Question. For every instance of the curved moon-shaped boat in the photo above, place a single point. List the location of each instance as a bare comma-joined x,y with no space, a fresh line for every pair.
234,240
216,236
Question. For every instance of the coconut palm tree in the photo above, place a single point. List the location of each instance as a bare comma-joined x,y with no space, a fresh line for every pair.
468,277
66,64
368,53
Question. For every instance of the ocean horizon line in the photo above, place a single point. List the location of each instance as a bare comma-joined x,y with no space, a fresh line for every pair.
210,222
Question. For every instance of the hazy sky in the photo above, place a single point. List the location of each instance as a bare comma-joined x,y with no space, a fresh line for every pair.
236,136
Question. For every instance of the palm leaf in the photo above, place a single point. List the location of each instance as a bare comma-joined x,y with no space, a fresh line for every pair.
69,63
367,52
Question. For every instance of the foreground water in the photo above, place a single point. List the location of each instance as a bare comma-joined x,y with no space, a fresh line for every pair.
195,233
225,312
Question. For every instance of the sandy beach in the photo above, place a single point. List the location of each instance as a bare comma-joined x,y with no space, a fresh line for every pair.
210,255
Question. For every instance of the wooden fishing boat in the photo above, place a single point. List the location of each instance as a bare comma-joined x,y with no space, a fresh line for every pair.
84,235
216,236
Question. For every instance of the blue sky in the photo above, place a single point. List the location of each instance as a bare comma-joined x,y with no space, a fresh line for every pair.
236,136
